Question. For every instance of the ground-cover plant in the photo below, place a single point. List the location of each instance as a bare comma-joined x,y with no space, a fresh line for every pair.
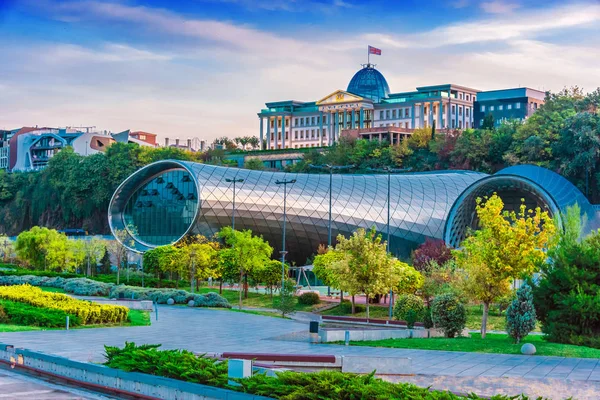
88,312
289,385
161,296
78,286
449,314
12,312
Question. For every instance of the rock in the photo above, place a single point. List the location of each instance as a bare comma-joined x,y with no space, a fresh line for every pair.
170,301
528,349
191,303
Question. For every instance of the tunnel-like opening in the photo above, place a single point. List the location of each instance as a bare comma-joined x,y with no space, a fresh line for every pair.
155,206
511,189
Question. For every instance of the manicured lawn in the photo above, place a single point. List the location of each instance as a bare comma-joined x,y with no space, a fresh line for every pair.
137,318
496,321
493,343
263,313
377,312
254,299
52,289
19,328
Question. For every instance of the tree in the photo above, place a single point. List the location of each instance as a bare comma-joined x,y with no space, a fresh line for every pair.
203,261
270,275
246,252
520,314
370,268
508,245
328,267
255,164
118,250
93,251
431,250
566,297
449,314
285,302
488,122
33,246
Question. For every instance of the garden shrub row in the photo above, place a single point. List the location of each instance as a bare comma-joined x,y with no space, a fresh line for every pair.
12,312
88,312
161,296
325,385
78,286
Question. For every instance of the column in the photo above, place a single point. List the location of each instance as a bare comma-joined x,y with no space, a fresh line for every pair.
422,116
353,119
463,116
336,126
321,130
261,133
456,116
449,116
283,131
331,133
430,116
412,116
268,145
343,122
275,131
361,119
440,113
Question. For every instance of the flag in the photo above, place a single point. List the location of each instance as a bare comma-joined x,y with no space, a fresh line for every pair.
374,50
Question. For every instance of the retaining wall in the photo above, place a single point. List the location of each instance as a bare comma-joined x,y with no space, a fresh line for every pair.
114,381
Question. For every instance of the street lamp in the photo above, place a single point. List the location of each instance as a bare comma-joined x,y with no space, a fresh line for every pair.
234,181
330,168
389,172
193,257
283,252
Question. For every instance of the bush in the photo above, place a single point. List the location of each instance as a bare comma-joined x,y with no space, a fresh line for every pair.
427,320
88,312
432,251
409,306
161,296
449,314
520,314
25,314
346,307
285,303
309,298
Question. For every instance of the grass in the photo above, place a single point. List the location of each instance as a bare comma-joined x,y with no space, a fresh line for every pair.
493,343
377,312
255,312
495,322
52,289
19,328
257,300
139,318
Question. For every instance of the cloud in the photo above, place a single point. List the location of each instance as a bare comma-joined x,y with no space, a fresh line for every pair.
499,7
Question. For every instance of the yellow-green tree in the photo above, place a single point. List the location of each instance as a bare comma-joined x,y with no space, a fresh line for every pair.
202,260
508,245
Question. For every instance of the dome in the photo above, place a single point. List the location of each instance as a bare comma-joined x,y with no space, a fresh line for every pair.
370,83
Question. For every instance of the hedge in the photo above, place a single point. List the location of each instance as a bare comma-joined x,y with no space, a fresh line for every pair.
88,312
324,385
24,314
78,286
162,295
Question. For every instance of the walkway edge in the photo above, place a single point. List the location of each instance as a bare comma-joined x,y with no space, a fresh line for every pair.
112,381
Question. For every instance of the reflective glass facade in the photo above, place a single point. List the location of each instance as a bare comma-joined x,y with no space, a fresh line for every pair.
370,83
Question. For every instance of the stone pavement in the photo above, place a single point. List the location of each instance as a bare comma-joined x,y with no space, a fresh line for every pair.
204,330
18,386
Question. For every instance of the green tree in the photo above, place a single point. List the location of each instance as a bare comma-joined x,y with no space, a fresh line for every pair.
33,246
488,122
203,261
508,245
246,253
520,314
285,302
255,164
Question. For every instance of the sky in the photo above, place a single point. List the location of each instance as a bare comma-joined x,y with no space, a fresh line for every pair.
205,68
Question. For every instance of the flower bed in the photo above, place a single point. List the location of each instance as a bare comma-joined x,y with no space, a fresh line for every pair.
88,312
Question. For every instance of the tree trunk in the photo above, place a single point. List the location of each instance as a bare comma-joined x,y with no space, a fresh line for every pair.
221,286
118,271
353,306
341,296
367,296
486,309
246,286
240,288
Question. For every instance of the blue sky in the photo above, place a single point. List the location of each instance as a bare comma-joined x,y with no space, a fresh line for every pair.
204,68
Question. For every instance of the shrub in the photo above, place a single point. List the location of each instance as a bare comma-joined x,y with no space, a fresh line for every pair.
346,307
449,314
161,296
285,303
25,314
432,251
309,298
87,287
88,312
427,320
520,314
409,304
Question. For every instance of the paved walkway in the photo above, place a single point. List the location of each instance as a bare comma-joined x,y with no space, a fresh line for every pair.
203,330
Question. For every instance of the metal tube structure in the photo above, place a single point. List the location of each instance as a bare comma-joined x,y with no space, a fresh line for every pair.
283,252
234,181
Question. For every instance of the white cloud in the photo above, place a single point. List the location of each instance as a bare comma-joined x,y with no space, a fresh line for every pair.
499,7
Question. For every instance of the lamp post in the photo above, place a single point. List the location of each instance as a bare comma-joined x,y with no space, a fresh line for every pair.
193,277
283,252
330,168
234,181
389,172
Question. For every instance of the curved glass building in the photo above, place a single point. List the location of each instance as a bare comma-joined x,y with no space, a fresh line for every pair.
369,83
164,201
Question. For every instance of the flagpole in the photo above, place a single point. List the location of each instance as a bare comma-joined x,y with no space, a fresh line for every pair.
368,56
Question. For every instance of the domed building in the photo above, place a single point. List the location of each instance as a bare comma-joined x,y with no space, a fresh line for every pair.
367,109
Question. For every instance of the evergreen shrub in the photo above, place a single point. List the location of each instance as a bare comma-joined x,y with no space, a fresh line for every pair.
409,307
520,314
449,314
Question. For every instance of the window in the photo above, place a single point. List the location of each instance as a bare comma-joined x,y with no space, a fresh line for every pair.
393,114
482,108
480,122
509,106
324,119
381,114
406,113
517,105
312,120
460,111
500,107
453,109
296,135
142,137
491,108
460,96
468,97
387,114
318,120
459,124
467,112
295,121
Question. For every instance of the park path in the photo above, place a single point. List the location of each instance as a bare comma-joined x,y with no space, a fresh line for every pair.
216,331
